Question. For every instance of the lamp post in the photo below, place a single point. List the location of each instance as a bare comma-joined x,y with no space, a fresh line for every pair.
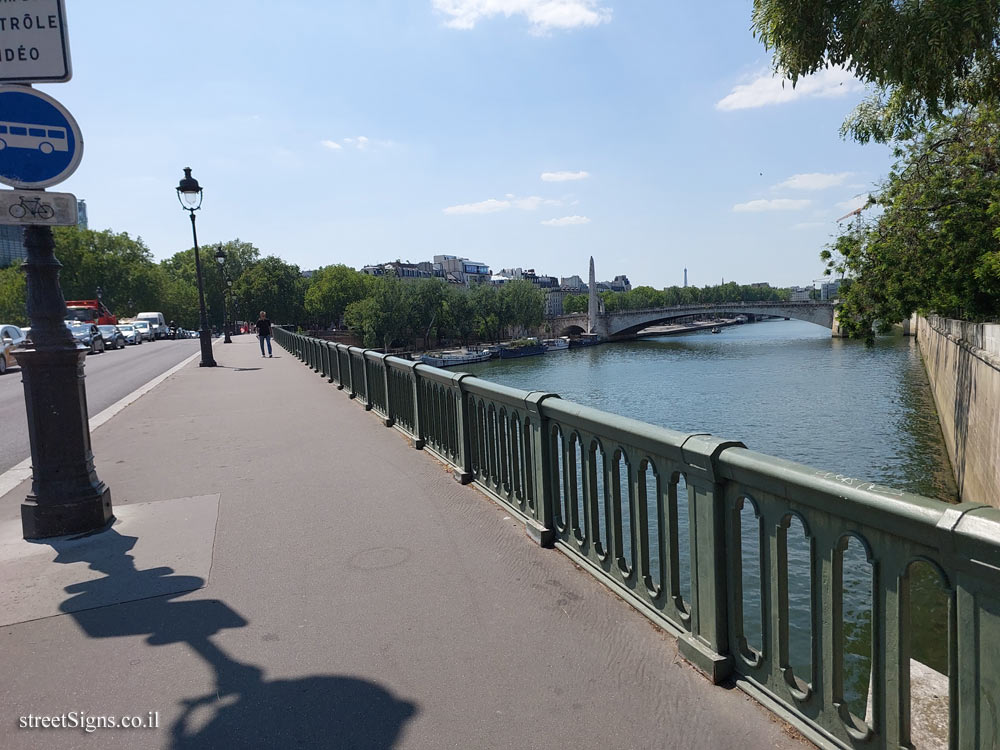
229,315
220,257
66,496
189,193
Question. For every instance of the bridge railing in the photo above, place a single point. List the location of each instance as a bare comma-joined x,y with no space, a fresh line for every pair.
666,518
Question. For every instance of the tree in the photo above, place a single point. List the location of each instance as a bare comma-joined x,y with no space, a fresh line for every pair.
524,304
382,318
923,57
574,303
274,286
936,245
427,298
333,288
180,268
123,267
458,316
12,296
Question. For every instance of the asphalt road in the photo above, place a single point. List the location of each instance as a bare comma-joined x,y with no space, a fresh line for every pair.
110,377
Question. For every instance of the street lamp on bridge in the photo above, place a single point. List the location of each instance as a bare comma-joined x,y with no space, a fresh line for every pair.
189,193
220,257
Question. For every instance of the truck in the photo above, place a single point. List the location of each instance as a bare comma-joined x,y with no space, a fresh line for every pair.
157,323
90,311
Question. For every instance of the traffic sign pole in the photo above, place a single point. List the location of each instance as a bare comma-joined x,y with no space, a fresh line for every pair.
40,146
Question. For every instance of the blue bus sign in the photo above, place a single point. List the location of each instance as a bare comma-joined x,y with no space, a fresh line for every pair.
40,142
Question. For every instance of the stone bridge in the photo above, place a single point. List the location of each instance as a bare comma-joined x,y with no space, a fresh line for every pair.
625,323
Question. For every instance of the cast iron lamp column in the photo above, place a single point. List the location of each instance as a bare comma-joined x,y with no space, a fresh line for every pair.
189,193
66,496
229,311
220,257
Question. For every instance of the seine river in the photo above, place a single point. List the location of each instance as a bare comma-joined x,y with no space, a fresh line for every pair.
785,388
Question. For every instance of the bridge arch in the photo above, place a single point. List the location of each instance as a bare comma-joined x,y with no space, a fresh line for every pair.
571,330
629,323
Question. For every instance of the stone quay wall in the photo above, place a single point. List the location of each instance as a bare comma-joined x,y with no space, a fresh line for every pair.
963,366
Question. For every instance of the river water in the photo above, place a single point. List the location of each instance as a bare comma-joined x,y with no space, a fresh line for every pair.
785,388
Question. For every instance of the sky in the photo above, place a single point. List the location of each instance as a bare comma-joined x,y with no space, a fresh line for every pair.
650,134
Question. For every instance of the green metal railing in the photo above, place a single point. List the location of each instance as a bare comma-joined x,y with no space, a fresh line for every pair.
662,517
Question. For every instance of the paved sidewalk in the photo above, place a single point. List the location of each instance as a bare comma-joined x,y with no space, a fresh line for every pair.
352,595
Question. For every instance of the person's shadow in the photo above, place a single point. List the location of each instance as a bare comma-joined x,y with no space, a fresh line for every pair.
243,710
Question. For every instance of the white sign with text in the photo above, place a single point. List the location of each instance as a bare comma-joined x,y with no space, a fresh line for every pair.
34,43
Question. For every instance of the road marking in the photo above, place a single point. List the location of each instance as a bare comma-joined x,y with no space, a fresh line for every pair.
17,474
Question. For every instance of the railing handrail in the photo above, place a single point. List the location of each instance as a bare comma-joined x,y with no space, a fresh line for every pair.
533,452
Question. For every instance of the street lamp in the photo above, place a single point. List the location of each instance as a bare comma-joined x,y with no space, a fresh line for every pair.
66,496
220,257
189,193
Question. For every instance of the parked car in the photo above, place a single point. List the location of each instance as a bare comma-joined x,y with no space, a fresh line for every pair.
113,338
131,333
145,329
87,334
10,337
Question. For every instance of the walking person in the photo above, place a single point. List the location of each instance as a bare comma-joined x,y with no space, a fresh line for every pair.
264,333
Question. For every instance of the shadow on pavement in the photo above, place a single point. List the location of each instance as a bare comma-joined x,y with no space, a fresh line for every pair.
243,710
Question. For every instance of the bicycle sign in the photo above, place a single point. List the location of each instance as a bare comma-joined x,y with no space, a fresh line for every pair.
40,142
37,207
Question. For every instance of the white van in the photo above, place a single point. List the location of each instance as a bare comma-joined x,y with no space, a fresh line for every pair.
156,322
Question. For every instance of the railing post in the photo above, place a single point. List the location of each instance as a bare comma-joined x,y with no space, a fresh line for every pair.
389,420
364,373
541,528
350,372
340,374
329,360
463,474
418,410
975,678
707,646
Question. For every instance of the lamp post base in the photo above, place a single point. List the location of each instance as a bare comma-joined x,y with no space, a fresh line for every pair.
207,360
83,515
66,496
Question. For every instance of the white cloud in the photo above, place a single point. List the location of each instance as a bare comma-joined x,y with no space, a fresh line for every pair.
564,176
360,143
814,181
332,145
543,15
566,221
531,202
776,204
490,206
768,88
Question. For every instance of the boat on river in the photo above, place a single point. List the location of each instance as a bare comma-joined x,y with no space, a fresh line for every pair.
584,339
556,345
716,329
523,348
455,357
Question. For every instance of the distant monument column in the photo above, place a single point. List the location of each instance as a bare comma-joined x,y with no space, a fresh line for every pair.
592,300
